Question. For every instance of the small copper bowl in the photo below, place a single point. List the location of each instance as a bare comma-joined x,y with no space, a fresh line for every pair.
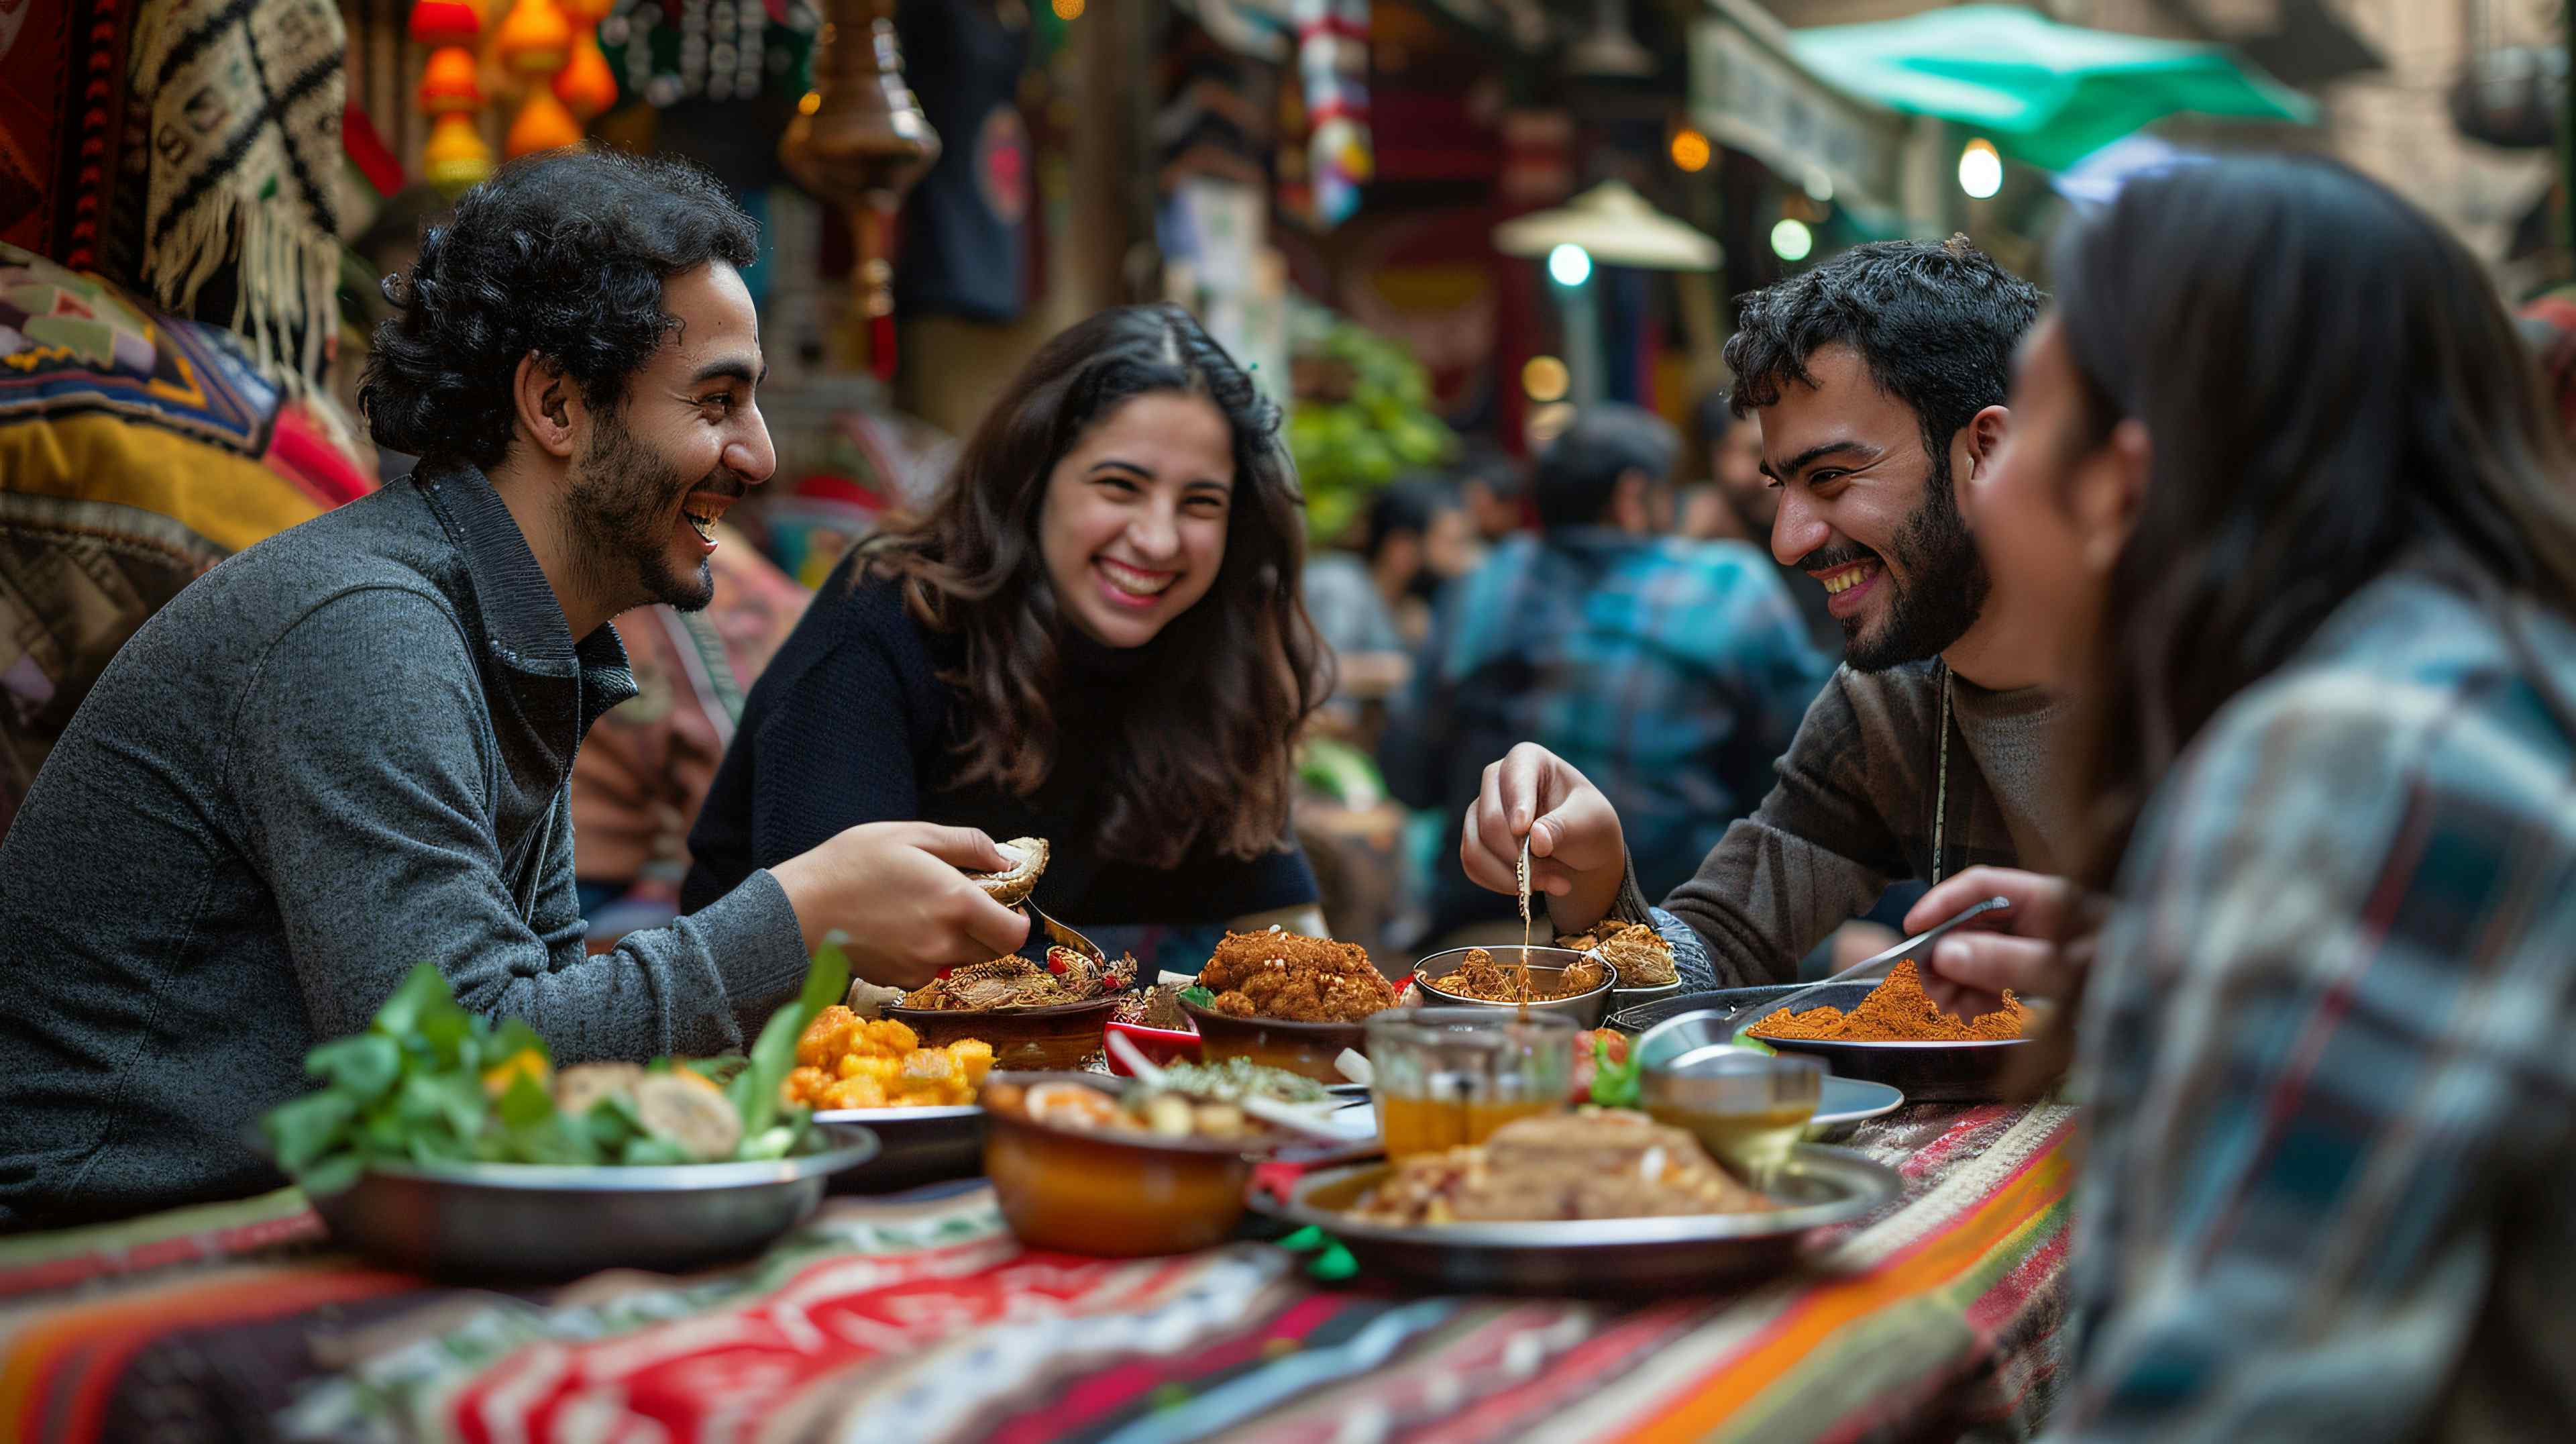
1109,1196
1060,1037
1306,1049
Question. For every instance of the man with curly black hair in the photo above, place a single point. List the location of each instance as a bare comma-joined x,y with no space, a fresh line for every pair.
346,749
1879,379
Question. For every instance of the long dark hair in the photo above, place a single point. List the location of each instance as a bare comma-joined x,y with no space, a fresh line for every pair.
2331,389
1202,756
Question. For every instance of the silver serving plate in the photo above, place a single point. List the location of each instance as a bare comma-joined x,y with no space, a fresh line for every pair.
520,1220
922,1143
1587,1009
1819,1185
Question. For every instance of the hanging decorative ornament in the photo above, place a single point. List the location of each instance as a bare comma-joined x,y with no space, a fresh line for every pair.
860,143
586,85
451,83
669,51
451,93
455,156
436,23
542,124
535,40
1332,66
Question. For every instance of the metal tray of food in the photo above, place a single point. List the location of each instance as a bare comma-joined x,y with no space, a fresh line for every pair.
529,1221
919,1144
1818,1185
1924,1072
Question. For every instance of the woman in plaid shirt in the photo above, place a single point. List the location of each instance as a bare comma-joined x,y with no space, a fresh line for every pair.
2281,458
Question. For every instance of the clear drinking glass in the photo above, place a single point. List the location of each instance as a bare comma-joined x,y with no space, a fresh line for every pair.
1447,1077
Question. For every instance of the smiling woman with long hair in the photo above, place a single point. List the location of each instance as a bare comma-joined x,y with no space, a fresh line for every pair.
1092,634
2287,480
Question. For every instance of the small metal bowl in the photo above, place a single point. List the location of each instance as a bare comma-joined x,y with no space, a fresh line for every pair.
1586,1008
531,1221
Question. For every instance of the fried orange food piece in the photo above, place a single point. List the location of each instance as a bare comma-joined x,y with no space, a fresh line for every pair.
845,1061
1298,979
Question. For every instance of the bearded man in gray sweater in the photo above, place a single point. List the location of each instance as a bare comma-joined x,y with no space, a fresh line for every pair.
348,749
1879,379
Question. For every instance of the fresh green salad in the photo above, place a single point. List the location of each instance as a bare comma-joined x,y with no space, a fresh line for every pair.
430,1083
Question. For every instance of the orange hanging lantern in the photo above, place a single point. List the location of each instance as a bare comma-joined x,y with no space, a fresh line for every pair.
451,83
455,156
585,85
535,40
542,124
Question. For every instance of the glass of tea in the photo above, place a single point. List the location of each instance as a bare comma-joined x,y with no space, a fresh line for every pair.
1447,1077
1746,1107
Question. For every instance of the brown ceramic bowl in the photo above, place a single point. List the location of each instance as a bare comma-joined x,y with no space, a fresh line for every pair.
1307,1049
1030,1038
1107,1195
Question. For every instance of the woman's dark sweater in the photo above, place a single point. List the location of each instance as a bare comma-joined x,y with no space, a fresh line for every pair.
850,724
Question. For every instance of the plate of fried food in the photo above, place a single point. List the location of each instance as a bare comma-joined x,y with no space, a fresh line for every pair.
1588,1201
920,1099
1640,955
1039,1010
1887,1032
1288,1001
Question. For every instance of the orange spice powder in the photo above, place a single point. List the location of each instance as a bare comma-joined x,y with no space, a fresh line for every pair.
1896,1011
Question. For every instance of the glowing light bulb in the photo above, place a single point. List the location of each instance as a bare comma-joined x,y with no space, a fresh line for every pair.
1981,169
1791,240
1570,265
1545,379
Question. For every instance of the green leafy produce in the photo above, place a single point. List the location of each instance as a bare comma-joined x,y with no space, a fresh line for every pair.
1198,995
1374,426
1614,1085
430,1083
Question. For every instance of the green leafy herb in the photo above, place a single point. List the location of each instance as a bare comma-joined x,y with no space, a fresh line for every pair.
1198,995
1614,1085
430,1083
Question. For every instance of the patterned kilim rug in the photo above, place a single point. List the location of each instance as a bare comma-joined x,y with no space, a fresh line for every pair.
245,99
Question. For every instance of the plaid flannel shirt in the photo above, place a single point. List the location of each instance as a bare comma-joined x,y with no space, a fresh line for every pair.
1672,673
2327,1051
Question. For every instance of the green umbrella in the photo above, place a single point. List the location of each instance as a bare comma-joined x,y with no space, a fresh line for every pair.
2046,93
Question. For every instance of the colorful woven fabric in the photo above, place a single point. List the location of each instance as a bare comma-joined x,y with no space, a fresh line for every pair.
920,1318
245,100
136,451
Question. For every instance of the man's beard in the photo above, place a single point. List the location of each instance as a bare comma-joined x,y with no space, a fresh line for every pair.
1943,591
621,507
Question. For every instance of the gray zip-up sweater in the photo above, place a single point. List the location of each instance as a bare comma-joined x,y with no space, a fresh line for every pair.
340,753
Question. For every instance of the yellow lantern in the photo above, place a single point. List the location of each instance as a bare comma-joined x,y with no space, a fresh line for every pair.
455,156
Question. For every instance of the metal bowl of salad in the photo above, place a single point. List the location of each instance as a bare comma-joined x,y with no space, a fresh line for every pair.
441,1143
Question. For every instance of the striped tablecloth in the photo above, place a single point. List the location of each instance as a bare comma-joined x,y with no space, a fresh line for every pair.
919,1318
